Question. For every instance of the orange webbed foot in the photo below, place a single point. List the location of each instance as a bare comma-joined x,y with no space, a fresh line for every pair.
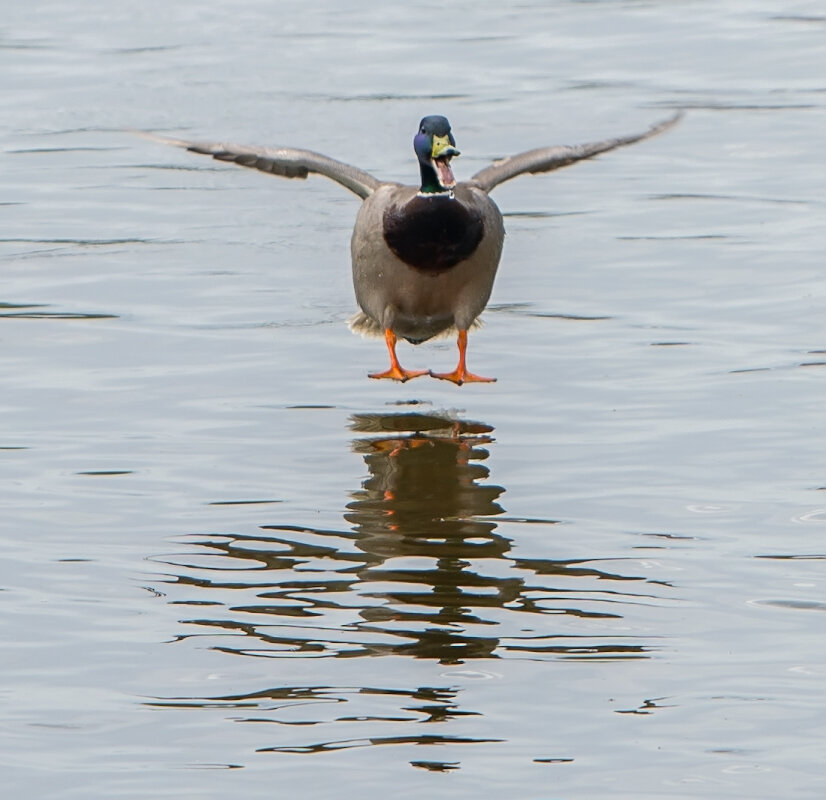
397,373
460,376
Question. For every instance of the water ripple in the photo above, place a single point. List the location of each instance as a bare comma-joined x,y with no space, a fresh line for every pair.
424,568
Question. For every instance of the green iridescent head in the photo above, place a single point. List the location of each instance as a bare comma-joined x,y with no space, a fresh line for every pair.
435,146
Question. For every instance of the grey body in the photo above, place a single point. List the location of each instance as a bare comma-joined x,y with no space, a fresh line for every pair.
415,304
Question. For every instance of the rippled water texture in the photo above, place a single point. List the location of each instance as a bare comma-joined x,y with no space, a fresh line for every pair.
232,565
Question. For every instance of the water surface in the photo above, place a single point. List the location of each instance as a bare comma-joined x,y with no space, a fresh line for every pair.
233,565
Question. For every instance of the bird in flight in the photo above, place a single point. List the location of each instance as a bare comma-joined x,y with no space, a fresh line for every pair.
424,257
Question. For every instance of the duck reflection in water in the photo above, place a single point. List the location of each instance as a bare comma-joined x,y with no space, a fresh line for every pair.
423,570
424,500
423,483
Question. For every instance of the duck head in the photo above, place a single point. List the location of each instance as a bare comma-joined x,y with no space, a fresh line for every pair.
435,146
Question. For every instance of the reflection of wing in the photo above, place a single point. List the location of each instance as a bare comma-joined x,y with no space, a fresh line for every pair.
545,159
284,161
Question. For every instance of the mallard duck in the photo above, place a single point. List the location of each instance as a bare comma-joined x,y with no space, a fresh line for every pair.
424,257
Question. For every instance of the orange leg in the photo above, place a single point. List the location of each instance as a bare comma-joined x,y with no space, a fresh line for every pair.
461,375
396,371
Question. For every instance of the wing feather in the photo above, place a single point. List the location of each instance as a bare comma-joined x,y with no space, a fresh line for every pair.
545,159
284,161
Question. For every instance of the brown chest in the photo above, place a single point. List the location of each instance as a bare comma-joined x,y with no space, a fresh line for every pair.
432,233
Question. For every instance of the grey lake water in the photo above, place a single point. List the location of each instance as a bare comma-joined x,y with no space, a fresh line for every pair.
234,566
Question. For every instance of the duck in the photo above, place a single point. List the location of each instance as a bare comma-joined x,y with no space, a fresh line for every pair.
424,257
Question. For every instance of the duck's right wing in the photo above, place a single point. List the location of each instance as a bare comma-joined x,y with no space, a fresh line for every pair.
284,161
545,159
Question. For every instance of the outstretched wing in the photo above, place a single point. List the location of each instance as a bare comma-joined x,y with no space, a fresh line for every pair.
545,159
284,161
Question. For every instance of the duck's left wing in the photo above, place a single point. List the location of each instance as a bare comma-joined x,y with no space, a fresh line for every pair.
284,161
545,159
